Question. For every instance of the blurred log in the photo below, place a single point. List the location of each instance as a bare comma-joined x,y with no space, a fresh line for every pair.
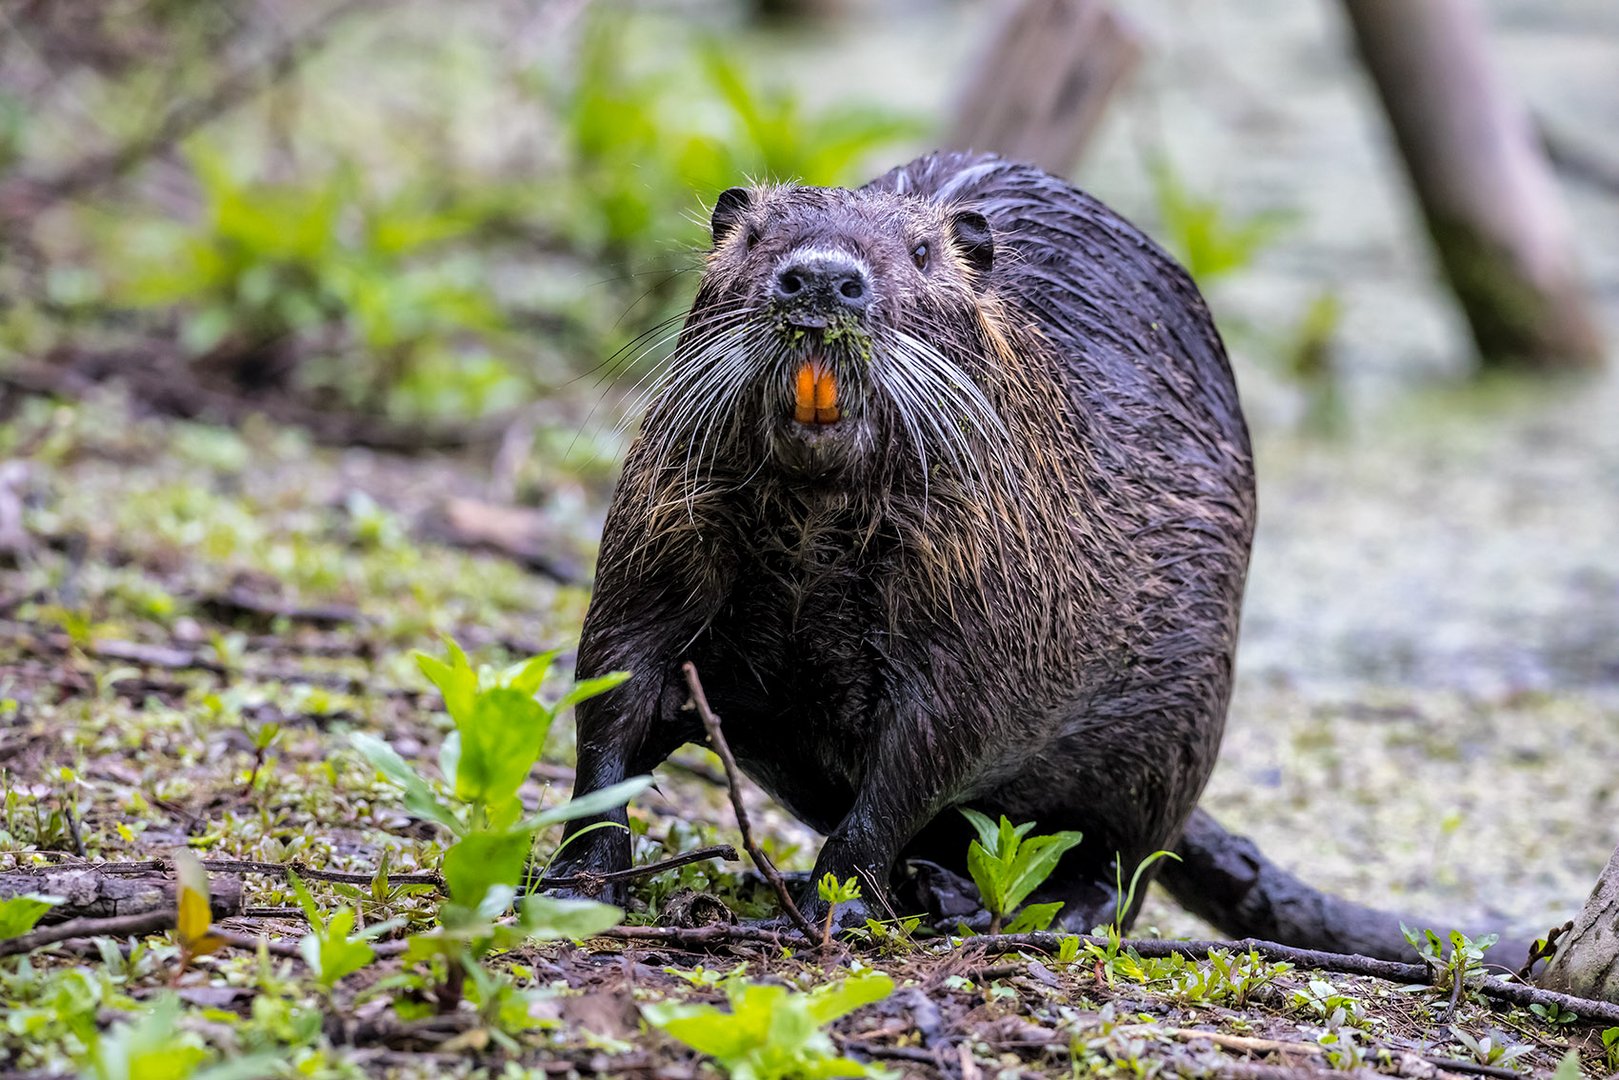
91,894
1039,89
1587,961
1493,211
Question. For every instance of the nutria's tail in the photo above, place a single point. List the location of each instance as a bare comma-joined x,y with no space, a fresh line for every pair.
1226,880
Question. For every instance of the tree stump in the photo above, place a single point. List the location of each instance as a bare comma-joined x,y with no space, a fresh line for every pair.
1040,87
1479,170
1587,961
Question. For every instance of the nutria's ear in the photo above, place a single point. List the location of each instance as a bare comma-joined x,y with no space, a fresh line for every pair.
974,239
728,210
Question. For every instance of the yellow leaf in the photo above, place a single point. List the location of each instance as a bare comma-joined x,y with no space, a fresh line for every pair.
193,917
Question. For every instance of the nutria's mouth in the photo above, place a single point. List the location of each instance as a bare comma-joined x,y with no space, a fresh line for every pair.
815,394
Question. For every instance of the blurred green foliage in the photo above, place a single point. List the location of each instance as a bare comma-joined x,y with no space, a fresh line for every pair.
358,251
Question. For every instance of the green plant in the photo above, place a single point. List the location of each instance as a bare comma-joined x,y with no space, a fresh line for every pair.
1610,1048
154,1047
1007,865
771,1031
500,729
1335,1009
1489,1049
366,284
1464,962
19,914
1206,239
835,892
1555,1014
331,948
1342,1049
1124,900
1569,1067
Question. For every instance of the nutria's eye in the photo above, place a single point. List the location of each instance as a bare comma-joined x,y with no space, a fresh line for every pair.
752,238
919,255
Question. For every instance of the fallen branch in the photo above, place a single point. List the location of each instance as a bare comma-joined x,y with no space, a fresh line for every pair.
723,749
432,878
275,870
699,936
137,925
1344,963
89,894
717,851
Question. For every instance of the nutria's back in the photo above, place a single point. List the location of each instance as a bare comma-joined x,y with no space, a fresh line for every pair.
949,497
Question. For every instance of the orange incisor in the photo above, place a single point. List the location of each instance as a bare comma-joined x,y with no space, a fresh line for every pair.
816,394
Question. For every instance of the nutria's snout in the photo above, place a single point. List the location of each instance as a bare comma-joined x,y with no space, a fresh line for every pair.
812,288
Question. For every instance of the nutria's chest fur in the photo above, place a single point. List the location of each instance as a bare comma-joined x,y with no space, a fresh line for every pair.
949,499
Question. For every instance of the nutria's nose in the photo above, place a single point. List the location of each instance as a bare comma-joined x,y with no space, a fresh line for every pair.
823,281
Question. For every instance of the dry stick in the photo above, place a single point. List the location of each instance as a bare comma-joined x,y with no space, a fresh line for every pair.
1344,963
142,923
717,851
349,877
1407,1063
723,749
714,934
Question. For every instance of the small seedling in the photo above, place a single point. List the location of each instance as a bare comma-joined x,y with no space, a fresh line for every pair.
1554,1014
1124,900
771,1032
835,892
1007,864
1489,1049
500,729
1464,963
331,949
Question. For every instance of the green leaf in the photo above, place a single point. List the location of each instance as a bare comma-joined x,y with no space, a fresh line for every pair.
500,742
306,901
1034,917
20,914
457,682
419,797
482,860
987,831
547,918
589,688
989,874
827,1003
1569,1067
527,676
597,802
1036,858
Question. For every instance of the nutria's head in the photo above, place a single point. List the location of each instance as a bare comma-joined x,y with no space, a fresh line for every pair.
835,333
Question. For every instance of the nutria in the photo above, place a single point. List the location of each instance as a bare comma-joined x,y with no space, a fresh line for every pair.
948,496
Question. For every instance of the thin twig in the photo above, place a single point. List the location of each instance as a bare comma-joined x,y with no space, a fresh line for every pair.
718,851
362,877
698,936
139,924
723,749
275,870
